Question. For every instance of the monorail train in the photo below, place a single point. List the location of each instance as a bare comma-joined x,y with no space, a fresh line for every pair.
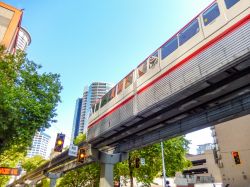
207,43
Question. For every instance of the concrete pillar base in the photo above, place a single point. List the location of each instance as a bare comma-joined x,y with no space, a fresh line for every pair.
53,177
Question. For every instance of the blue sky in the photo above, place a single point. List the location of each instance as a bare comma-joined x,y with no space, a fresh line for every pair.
93,40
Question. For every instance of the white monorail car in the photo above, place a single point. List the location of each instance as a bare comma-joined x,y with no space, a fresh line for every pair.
207,43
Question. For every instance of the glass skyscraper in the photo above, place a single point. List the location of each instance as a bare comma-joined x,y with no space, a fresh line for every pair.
82,110
76,121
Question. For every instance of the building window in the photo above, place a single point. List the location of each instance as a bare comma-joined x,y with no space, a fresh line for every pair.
169,47
211,14
230,3
191,30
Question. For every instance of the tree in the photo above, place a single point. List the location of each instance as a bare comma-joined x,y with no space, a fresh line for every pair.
29,164
87,176
9,158
28,100
44,183
80,138
174,152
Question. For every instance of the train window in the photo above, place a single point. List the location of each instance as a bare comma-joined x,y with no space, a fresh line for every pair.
142,69
153,60
119,87
112,93
230,3
191,30
128,80
210,14
169,47
97,106
105,99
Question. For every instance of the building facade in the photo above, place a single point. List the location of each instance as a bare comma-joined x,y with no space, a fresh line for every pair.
90,95
230,137
228,160
39,145
10,24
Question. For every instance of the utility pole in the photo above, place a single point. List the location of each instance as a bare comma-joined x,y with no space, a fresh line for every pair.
163,165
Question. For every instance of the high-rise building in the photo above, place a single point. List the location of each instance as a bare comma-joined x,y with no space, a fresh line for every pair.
39,145
76,121
90,95
23,39
83,109
10,25
203,147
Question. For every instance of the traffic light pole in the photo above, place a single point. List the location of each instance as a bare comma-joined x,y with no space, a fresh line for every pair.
163,165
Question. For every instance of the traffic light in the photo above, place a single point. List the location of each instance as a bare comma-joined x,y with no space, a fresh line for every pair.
137,162
81,155
59,142
236,157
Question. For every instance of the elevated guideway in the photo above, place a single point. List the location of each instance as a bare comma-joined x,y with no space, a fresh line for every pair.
220,96
227,97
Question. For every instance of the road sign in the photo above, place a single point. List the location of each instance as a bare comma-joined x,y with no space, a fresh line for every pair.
73,149
142,161
9,171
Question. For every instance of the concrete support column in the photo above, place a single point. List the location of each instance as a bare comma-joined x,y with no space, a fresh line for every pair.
53,177
107,166
106,175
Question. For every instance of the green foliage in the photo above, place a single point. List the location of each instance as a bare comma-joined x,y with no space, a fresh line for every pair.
80,138
29,164
174,152
27,100
9,158
27,103
87,176
44,183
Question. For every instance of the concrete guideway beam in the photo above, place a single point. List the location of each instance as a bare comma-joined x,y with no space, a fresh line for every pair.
107,167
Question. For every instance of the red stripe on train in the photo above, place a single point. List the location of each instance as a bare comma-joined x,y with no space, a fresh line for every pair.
185,60
111,111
